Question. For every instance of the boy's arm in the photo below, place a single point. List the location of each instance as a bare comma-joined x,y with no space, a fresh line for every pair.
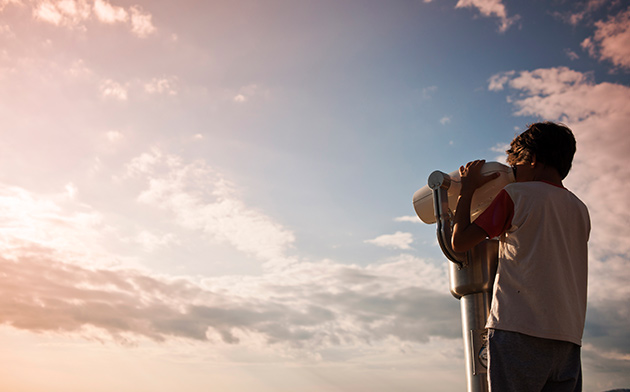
466,234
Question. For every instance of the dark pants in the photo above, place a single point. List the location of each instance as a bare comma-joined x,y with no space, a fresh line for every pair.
523,363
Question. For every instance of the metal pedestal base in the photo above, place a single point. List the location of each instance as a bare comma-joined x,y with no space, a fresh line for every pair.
475,308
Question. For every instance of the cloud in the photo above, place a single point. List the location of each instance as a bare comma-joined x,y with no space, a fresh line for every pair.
611,40
490,8
246,93
598,114
309,306
48,12
162,86
114,136
571,54
398,240
152,242
108,13
70,13
445,120
77,13
4,3
112,89
427,92
585,10
45,222
55,278
141,22
408,218
78,69
500,148
498,81
72,190
201,199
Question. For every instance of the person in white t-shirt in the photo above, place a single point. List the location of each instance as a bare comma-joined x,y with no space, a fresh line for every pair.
538,307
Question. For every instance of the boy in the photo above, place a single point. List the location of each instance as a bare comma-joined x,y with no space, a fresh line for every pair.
538,306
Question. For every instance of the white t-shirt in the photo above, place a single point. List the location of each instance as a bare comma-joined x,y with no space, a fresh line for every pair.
541,282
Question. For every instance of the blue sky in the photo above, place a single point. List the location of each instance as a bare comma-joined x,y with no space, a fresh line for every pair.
218,194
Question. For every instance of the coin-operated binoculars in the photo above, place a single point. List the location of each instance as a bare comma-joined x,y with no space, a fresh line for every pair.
471,273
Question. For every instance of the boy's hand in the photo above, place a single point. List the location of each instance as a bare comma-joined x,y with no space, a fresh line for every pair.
471,176
465,234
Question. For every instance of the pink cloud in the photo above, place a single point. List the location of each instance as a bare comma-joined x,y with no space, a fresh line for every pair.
490,8
55,277
77,13
611,40
108,13
141,22
307,306
598,113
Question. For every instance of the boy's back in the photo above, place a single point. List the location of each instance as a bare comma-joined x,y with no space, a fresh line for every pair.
540,287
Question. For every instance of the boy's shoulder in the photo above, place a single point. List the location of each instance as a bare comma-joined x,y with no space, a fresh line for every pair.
536,187
541,192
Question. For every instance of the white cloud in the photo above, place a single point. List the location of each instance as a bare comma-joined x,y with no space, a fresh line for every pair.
72,190
500,148
50,281
162,86
77,13
6,31
77,10
498,81
71,13
398,240
445,120
239,98
152,242
78,69
611,40
4,3
114,136
43,222
141,22
246,93
412,219
112,89
201,199
427,92
47,12
490,8
107,13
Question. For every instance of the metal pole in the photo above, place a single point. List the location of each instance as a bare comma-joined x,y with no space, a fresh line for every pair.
471,278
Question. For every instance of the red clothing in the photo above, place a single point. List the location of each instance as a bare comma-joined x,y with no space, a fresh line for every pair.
497,218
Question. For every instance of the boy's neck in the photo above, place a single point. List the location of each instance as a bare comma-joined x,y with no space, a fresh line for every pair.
548,174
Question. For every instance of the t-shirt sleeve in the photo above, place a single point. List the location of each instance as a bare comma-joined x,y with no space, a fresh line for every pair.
497,218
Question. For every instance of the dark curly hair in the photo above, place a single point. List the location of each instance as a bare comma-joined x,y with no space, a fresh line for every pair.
551,143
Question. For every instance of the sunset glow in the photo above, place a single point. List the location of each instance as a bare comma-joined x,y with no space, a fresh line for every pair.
217,195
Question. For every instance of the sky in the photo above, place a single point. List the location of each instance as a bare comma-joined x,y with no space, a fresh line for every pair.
217,195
